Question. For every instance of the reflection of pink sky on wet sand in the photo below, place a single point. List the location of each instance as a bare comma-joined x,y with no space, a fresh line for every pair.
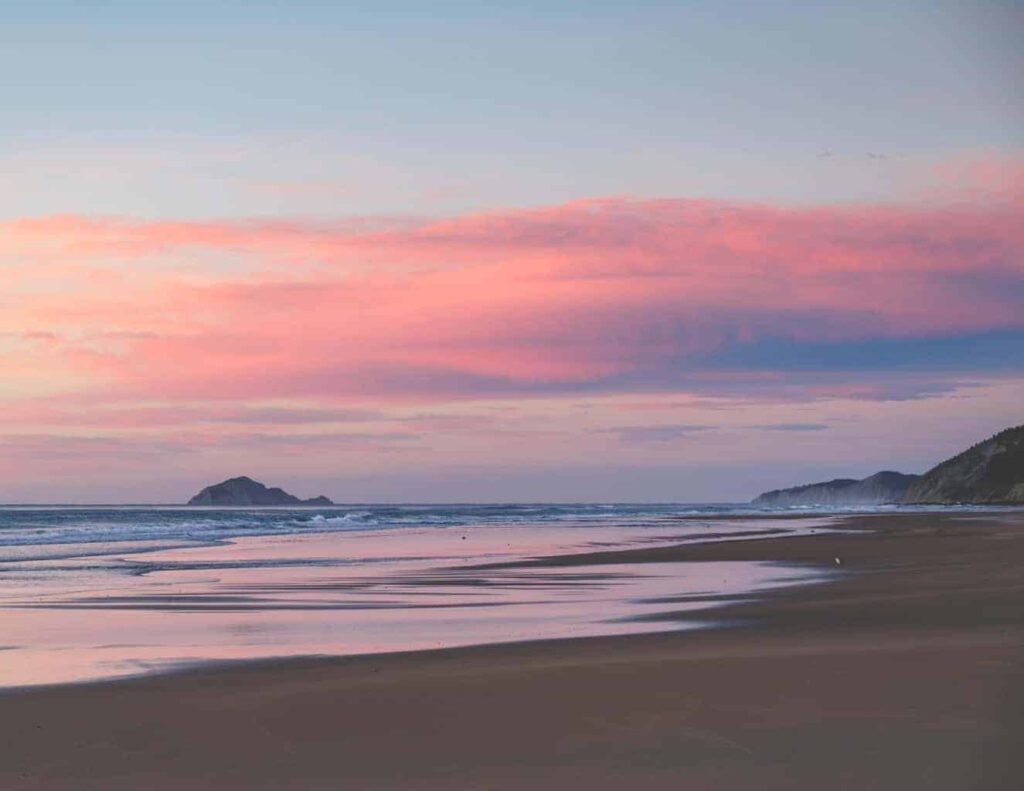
351,593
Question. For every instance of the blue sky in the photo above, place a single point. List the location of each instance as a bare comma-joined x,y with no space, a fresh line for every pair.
463,251
410,107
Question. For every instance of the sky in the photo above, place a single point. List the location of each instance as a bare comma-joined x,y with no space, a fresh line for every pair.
559,251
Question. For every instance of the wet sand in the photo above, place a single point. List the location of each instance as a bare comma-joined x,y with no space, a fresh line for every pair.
905,673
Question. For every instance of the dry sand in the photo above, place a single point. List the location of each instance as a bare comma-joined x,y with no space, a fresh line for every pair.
905,673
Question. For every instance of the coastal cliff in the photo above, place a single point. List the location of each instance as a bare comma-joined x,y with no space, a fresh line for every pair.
246,491
989,472
880,488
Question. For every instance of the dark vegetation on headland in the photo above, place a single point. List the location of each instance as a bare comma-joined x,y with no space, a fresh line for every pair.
246,491
990,472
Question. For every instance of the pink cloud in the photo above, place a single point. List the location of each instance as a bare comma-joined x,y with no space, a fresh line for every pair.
608,294
981,177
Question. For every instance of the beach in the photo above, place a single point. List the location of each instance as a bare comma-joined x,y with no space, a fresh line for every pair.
904,671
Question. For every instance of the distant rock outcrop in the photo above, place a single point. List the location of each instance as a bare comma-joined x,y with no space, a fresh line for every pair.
880,488
246,491
990,472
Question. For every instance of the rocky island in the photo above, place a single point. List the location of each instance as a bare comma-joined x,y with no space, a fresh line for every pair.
246,491
990,472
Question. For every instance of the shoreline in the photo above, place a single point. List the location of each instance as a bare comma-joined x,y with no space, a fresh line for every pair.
141,609
904,671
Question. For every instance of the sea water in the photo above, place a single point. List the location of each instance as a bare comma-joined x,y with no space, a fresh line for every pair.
89,593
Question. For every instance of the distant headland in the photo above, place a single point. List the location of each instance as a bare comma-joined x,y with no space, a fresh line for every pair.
882,487
246,491
990,472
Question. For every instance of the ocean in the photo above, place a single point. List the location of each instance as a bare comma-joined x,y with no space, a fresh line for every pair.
99,592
